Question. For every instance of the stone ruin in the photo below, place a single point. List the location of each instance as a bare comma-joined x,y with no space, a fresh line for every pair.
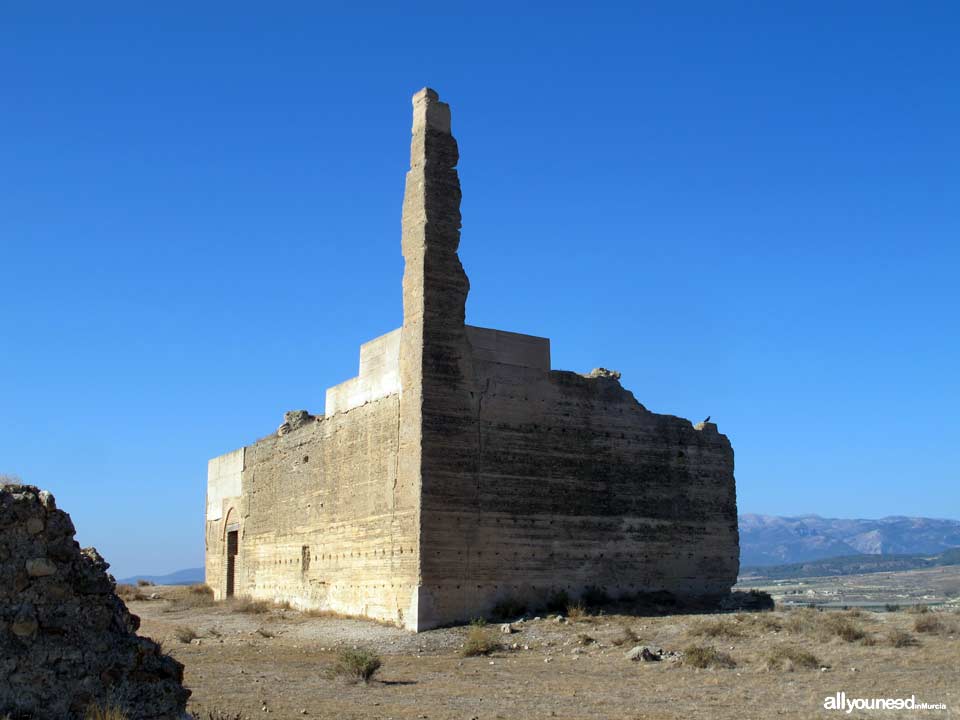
459,471
67,642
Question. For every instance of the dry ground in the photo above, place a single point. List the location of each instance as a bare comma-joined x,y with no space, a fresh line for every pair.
276,663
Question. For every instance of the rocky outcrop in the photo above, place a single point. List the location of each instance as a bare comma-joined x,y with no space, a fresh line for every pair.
67,642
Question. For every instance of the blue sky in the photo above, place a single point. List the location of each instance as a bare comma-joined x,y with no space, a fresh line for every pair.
749,209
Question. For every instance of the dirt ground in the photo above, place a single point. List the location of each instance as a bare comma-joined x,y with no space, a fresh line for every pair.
276,664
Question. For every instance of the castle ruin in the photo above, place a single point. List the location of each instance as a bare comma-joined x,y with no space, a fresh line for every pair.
458,470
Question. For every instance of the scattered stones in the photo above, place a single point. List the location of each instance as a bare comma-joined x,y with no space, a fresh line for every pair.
644,653
507,629
72,642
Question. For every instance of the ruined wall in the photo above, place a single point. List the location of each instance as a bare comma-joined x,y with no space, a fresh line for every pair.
578,485
323,520
66,640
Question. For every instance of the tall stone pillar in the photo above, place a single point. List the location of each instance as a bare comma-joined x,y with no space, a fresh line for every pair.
438,436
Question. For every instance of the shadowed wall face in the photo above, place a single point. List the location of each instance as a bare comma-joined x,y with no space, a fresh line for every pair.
457,469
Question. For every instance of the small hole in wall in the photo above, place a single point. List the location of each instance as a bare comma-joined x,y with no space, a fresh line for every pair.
306,458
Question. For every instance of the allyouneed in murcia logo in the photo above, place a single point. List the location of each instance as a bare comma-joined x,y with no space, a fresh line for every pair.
840,701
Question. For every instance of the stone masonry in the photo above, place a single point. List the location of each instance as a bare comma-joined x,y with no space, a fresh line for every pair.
67,642
458,469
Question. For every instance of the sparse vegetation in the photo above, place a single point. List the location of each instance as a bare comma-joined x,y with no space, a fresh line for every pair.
626,637
576,611
716,628
249,605
584,639
786,657
842,627
928,623
705,656
919,609
357,665
479,642
143,582
129,593
185,634
900,638
265,632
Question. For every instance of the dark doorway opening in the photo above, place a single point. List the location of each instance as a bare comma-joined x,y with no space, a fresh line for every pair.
232,542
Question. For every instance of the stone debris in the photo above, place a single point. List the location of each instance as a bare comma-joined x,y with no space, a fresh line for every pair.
67,642
507,629
603,373
295,419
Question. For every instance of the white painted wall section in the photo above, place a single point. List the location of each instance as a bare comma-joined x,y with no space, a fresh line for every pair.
224,475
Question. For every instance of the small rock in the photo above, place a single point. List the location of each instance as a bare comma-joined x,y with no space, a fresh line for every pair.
507,629
559,619
34,525
644,653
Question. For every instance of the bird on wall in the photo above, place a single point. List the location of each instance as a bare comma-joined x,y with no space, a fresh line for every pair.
708,419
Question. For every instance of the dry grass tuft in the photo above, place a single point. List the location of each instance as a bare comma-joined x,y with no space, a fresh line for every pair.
129,593
185,634
577,611
901,638
479,642
843,627
790,658
626,637
933,623
249,605
705,656
142,582
357,665
718,628
920,609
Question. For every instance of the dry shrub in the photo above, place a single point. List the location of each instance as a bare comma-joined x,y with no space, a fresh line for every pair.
705,656
901,638
790,658
768,621
202,589
357,665
479,642
843,628
249,605
920,609
143,582
576,611
802,620
584,639
185,634
95,712
626,637
932,623
129,593
264,632
719,628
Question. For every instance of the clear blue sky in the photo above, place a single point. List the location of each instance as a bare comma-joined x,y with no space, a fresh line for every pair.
752,210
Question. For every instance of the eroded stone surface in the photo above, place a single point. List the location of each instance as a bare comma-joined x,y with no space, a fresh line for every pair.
66,640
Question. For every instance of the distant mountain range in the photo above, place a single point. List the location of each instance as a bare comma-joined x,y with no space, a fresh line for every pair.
772,540
850,565
180,577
